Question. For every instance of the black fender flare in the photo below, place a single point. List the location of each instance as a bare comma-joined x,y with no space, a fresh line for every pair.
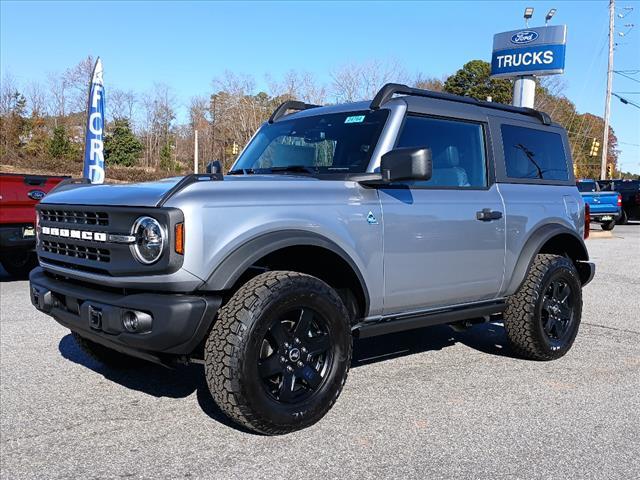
227,272
534,244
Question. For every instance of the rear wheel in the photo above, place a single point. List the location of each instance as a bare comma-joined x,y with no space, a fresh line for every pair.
543,317
278,355
608,225
19,263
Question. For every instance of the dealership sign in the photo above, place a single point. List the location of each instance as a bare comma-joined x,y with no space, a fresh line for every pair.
532,51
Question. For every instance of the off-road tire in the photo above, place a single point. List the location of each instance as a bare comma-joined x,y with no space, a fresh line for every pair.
238,331
607,226
522,317
18,264
101,354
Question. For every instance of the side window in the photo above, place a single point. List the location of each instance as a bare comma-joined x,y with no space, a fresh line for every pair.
533,154
457,150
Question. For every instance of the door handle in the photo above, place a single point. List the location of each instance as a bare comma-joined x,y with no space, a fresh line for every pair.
486,215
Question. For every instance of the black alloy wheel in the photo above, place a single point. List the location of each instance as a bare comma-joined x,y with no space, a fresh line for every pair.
557,310
295,355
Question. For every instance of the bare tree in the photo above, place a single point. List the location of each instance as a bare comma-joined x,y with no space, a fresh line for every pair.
36,99
361,81
121,104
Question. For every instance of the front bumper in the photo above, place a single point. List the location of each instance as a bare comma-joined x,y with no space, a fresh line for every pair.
178,322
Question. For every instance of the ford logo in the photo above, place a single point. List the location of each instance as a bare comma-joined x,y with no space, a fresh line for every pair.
524,37
36,194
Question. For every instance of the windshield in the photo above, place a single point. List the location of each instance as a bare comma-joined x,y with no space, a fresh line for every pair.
587,186
334,143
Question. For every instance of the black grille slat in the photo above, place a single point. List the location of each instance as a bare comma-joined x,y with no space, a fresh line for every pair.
77,251
75,217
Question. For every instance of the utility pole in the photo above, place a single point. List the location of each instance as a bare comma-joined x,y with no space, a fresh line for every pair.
195,152
607,100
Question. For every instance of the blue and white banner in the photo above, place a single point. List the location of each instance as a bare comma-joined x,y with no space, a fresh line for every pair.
94,144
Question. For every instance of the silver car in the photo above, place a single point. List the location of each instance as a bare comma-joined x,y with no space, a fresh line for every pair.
415,209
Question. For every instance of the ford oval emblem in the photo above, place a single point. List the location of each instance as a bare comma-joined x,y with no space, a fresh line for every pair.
36,194
524,37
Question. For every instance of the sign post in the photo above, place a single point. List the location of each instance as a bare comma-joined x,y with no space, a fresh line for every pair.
527,53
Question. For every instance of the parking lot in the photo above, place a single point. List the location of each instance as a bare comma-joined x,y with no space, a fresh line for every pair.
429,403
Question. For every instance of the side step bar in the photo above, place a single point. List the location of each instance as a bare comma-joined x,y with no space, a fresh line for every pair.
400,323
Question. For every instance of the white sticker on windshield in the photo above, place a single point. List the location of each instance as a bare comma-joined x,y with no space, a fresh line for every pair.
355,119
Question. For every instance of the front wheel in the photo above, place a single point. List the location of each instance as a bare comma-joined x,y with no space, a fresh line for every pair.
608,225
278,355
542,318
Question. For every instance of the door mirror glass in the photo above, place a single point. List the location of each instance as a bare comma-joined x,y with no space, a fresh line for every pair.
413,163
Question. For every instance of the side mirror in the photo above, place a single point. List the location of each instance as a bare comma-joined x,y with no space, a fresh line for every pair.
413,163
214,167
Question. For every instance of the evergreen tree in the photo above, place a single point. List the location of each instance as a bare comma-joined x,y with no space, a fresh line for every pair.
121,146
474,80
59,145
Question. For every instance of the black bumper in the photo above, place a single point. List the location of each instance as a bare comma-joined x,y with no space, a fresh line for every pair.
178,322
597,217
11,237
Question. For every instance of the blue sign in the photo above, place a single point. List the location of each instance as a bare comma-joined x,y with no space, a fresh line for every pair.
94,144
533,51
540,59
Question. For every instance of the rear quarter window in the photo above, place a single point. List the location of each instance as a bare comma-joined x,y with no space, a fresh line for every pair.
533,154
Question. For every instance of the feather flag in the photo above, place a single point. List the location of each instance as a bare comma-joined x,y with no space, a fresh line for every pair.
94,144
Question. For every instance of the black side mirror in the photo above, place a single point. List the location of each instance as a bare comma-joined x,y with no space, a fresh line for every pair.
214,167
413,163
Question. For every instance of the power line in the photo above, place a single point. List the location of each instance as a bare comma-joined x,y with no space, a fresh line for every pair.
625,101
626,76
630,144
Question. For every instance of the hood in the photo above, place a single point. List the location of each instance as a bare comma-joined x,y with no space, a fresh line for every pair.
146,194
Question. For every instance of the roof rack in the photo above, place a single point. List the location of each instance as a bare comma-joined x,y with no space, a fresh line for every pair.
390,89
289,105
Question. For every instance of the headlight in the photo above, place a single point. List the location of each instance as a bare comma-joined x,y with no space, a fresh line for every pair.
150,239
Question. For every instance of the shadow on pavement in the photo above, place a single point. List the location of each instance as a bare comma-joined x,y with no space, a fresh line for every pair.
182,381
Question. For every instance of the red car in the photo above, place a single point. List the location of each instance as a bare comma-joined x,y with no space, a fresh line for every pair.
19,195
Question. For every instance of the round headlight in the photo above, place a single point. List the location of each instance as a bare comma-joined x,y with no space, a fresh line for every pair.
149,240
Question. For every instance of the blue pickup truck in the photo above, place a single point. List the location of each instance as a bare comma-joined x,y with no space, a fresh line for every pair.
604,206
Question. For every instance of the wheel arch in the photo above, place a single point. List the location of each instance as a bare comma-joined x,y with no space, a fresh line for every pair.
556,239
296,250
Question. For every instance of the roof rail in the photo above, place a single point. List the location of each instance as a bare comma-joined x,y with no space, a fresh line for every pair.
390,89
289,105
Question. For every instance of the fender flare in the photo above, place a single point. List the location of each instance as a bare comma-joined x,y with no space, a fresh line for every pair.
227,272
532,247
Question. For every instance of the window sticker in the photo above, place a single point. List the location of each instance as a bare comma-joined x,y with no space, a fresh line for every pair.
354,119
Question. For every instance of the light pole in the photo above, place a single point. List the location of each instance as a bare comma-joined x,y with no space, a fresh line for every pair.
524,87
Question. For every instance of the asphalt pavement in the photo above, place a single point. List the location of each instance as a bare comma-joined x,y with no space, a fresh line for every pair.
425,404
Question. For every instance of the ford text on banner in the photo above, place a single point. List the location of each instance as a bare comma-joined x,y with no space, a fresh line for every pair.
94,144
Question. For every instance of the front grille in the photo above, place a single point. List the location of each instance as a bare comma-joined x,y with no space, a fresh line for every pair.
75,217
77,251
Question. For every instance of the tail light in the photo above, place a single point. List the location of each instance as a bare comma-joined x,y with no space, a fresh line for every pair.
619,200
587,220
637,198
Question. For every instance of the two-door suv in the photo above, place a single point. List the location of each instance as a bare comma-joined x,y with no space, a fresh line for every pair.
417,208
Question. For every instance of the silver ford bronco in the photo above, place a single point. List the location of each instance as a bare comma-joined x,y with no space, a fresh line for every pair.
415,209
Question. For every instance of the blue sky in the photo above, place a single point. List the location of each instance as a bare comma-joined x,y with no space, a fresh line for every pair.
187,44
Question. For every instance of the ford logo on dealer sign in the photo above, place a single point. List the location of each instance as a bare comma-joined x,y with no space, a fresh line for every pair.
524,37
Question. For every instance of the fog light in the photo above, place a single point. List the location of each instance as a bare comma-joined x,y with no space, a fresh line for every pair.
136,322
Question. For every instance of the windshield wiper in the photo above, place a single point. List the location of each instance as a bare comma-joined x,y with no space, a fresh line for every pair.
241,171
292,168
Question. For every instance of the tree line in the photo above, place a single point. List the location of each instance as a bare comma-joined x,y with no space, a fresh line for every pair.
42,123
